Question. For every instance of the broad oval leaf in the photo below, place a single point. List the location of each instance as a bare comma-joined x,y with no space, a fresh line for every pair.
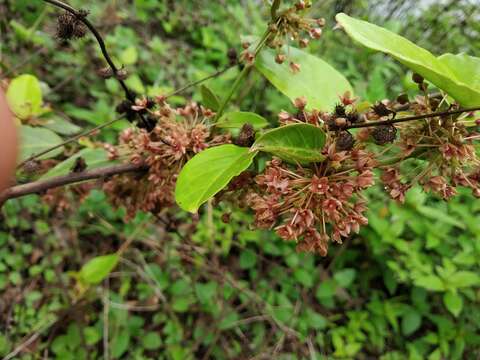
466,68
35,139
209,99
295,143
436,70
24,96
98,268
236,119
208,172
94,158
317,80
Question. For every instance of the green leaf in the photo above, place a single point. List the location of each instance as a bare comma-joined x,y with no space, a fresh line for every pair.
236,119
35,139
439,215
206,292
98,268
317,81
61,126
94,158
345,277
453,302
304,277
119,343
295,143
209,99
151,341
208,172
411,321
430,282
24,96
247,259
464,279
135,83
129,56
461,84
466,68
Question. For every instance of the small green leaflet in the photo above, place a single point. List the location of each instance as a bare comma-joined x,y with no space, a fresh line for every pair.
209,99
295,143
236,119
98,268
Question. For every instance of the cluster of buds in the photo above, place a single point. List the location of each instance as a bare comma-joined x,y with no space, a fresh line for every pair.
292,25
178,135
289,25
311,205
445,146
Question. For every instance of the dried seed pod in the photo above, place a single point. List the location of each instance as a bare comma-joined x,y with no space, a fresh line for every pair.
384,134
345,141
121,74
105,72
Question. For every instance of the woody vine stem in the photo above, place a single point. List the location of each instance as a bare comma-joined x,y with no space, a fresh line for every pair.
102,173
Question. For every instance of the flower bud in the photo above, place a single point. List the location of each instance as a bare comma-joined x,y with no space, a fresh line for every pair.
280,58
300,102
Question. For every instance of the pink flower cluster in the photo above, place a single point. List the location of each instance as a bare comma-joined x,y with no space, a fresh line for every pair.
179,134
313,205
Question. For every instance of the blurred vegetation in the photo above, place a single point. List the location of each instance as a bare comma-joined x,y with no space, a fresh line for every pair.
406,288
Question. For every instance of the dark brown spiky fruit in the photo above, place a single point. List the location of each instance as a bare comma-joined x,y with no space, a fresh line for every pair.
125,107
340,110
417,78
232,56
246,136
402,99
384,134
345,141
381,109
79,165
353,117
70,27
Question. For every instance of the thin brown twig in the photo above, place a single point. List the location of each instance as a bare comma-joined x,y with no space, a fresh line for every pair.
412,118
197,82
43,185
101,43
